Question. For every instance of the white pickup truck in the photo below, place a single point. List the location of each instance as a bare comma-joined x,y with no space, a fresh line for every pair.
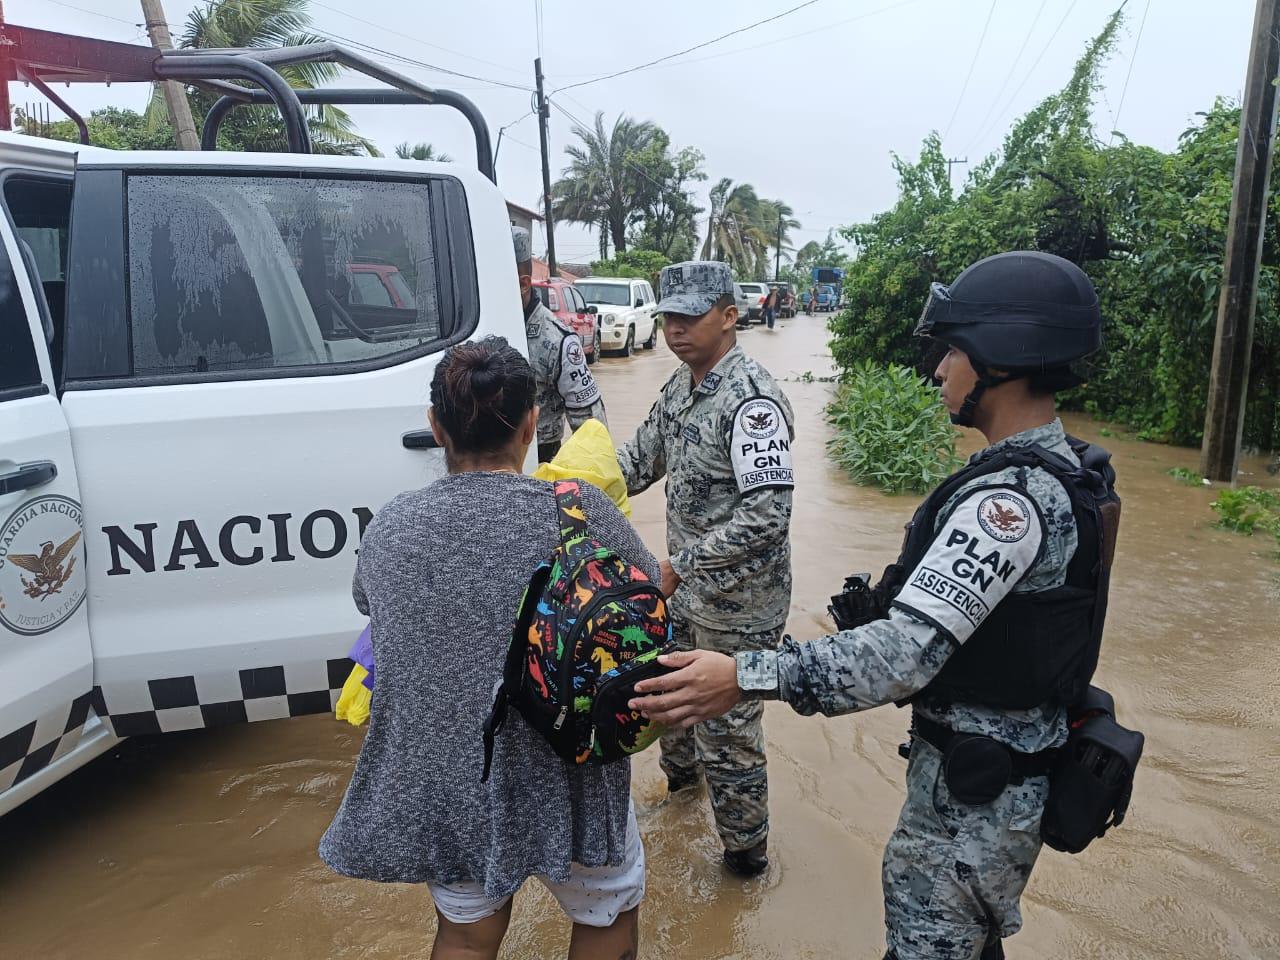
201,408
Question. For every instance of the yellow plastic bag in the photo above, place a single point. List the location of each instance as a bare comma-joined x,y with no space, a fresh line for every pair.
353,703
589,455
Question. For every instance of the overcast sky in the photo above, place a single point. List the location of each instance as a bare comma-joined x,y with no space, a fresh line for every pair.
807,107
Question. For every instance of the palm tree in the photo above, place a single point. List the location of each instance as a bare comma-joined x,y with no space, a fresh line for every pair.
775,217
421,151
266,23
736,232
601,185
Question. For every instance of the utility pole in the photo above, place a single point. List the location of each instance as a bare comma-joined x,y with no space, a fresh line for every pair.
544,116
175,97
951,163
1229,379
777,250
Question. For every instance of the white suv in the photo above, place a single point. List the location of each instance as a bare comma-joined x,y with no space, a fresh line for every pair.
626,311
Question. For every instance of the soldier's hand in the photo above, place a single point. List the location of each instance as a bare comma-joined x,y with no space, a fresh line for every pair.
670,579
704,685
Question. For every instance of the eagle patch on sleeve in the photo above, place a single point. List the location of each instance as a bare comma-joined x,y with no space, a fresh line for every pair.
576,384
989,543
761,446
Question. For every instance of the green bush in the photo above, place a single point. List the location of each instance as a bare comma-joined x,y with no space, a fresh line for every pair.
641,264
1249,510
891,429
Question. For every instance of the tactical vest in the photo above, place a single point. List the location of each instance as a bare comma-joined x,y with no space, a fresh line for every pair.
1033,648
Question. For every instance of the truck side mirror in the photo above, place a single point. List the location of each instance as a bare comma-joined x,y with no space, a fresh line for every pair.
592,308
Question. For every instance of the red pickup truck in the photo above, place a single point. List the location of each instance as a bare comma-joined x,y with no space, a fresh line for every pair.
562,299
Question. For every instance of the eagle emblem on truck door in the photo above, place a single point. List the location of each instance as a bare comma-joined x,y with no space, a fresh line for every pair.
51,567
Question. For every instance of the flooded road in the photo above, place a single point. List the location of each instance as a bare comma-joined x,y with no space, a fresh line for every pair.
202,845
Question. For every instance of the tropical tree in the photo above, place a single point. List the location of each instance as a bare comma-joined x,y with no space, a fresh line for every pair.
668,211
264,23
827,253
421,151
736,232
1147,226
604,185
778,219
115,128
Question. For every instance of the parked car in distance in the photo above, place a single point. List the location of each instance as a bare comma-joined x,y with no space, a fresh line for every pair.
564,300
826,297
626,307
742,300
756,295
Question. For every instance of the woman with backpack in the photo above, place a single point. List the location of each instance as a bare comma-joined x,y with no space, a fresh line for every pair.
441,574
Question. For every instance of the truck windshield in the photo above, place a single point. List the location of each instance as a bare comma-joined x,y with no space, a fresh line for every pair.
614,294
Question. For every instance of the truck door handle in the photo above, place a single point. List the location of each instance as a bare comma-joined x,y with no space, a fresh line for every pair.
419,440
27,476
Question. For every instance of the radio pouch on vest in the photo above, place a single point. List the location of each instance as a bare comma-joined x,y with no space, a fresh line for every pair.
1092,779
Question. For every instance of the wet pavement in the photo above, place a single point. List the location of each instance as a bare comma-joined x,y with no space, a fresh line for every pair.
202,845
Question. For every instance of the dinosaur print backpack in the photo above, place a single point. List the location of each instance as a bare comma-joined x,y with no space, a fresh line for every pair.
590,626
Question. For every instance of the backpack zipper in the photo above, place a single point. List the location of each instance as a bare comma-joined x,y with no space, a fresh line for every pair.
571,642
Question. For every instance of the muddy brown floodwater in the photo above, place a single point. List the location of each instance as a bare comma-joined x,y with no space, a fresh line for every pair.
203,845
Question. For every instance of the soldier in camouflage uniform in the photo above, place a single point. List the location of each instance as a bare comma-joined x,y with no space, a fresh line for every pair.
721,434
565,385
954,869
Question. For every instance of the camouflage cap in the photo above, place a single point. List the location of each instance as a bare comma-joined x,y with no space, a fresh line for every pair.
693,287
523,243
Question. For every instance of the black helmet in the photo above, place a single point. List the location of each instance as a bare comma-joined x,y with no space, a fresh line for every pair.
1021,312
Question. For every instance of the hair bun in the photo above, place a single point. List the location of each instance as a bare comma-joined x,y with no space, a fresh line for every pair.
485,380
480,390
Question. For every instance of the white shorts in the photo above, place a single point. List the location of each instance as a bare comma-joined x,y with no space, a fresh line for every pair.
593,896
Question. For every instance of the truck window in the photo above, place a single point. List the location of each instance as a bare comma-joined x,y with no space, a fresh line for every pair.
553,302
39,208
368,288
235,273
19,370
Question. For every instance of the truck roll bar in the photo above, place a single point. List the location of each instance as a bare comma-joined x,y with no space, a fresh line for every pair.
43,57
228,66
405,91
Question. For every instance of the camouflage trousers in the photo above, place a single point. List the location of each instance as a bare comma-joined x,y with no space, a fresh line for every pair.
954,873
729,749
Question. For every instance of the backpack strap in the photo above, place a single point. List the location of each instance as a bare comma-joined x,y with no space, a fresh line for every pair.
508,688
573,517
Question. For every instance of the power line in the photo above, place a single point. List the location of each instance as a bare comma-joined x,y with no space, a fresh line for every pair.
699,46
968,76
1115,120
411,39
93,13
636,167
370,48
1043,51
769,43
981,125
521,143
